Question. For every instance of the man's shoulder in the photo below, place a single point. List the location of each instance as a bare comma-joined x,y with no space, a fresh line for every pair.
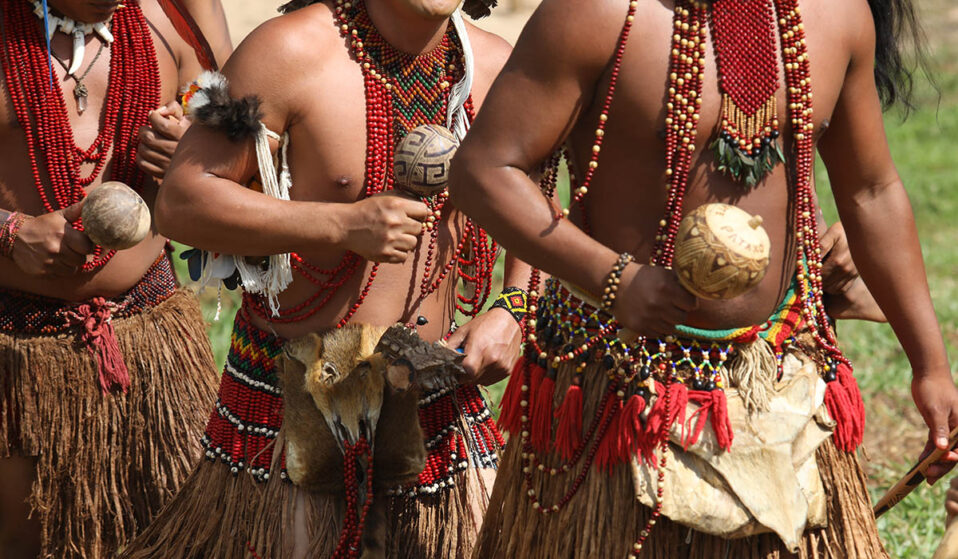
297,37
491,51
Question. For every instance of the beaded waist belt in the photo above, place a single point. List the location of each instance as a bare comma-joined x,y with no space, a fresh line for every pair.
571,329
28,314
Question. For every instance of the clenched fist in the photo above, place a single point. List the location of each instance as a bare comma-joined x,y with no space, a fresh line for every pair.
49,245
385,227
158,141
651,301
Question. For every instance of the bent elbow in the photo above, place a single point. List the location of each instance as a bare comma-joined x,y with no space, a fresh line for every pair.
465,191
171,211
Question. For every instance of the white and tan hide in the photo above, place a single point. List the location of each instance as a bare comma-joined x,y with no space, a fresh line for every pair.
767,481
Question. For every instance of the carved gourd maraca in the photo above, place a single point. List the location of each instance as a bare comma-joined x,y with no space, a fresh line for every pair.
721,251
421,163
115,217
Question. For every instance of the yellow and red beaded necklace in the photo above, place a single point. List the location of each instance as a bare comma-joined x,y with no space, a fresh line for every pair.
743,35
402,91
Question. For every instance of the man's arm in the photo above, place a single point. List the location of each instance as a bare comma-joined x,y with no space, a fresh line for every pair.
204,203
870,197
548,82
211,19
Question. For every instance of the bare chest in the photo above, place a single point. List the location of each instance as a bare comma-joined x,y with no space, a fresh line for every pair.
79,112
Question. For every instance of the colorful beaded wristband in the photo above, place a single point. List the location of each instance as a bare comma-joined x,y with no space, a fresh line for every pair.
8,232
514,300
612,281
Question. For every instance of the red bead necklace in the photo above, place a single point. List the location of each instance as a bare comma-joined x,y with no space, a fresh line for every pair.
133,90
402,91
691,20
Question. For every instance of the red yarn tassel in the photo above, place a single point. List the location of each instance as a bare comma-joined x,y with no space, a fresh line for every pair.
842,411
720,420
114,376
569,431
634,438
606,454
510,414
845,376
712,403
541,416
679,398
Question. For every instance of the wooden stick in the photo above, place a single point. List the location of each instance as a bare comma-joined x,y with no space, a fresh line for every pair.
913,478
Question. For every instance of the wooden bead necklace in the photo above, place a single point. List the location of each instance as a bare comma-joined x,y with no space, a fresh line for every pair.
402,91
749,128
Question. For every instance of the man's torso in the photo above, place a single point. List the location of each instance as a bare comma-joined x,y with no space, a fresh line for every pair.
18,191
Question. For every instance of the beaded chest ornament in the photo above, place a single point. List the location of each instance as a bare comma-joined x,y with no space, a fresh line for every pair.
678,373
402,92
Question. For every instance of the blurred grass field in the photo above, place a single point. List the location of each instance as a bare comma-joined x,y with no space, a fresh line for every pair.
924,147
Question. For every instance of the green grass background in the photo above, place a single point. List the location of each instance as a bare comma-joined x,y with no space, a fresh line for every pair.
924,147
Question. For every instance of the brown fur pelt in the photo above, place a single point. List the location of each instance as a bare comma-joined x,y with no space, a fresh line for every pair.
604,518
107,463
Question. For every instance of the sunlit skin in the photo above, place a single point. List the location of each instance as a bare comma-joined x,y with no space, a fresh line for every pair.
49,250
551,90
204,202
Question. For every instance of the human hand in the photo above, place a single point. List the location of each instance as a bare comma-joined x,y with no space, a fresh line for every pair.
838,268
159,139
951,501
384,228
936,398
49,245
651,301
491,344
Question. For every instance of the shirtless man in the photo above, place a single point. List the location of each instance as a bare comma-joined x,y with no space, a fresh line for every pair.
556,89
305,83
92,458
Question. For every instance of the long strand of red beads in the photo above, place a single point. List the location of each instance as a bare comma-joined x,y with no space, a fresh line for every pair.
385,72
798,80
133,90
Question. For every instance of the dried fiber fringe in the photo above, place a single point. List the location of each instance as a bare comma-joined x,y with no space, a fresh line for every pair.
604,517
217,514
106,464
752,371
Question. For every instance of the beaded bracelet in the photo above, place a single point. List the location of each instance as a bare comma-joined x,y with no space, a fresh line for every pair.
612,281
8,232
514,300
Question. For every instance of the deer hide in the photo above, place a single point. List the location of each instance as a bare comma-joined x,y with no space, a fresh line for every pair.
767,481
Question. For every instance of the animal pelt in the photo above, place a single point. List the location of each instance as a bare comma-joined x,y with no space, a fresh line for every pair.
357,382
211,105
313,458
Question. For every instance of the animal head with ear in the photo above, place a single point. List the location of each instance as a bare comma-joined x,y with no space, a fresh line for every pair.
357,382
